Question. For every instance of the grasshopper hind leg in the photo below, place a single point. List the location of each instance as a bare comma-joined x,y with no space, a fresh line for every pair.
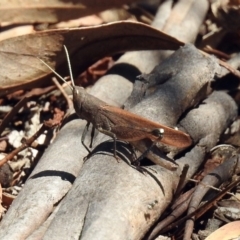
158,133
113,136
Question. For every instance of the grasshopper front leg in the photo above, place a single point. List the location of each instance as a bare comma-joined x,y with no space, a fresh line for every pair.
113,136
83,139
92,136
100,129
84,136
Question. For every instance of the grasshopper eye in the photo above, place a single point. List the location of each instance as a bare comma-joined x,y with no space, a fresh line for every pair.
159,132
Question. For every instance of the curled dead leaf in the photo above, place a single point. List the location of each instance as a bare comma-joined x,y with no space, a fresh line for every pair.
226,232
29,11
21,69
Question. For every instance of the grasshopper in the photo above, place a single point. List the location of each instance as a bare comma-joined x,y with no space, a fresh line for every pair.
118,123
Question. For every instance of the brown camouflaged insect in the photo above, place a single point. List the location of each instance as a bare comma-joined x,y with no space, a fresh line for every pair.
118,123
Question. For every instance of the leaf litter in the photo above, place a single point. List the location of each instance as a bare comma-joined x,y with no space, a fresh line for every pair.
86,46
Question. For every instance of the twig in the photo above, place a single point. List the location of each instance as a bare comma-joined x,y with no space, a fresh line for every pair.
229,68
214,188
225,65
12,113
205,207
176,213
181,181
216,52
27,142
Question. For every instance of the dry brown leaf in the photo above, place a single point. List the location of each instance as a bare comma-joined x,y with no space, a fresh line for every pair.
16,31
90,20
7,199
85,45
28,11
226,232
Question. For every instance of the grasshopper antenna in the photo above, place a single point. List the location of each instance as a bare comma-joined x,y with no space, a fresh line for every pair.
69,65
49,67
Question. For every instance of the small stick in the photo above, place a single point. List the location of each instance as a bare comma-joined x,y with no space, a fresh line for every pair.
212,187
204,208
27,143
12,113
182,180
59,86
